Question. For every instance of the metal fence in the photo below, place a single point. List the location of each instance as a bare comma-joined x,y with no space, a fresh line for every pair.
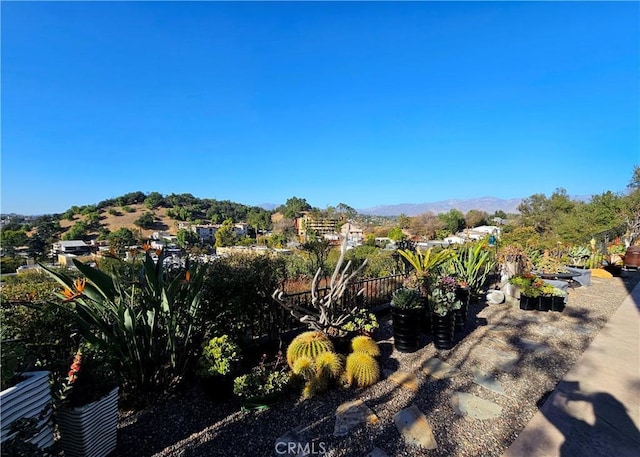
375,292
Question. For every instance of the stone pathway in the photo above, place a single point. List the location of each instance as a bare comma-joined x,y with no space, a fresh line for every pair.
495,356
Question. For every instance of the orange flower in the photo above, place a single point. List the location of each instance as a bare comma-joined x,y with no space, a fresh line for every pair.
80,283
187,276
146,247
67,293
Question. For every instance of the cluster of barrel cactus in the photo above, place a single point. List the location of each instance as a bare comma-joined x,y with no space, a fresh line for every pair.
312,357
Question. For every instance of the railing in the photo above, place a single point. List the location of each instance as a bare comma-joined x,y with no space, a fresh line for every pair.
376,292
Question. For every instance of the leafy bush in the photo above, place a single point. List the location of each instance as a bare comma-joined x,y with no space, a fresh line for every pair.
238,300
220,356
264,380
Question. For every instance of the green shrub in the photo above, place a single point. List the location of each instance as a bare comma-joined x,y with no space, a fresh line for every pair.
220,356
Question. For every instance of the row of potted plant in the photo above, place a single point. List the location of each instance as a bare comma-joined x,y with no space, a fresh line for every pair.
438,313
536,294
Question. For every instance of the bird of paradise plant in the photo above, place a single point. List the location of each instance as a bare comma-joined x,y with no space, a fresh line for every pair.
148,324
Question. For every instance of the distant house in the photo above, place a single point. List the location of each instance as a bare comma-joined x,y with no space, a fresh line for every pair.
75,247
207,233
352,233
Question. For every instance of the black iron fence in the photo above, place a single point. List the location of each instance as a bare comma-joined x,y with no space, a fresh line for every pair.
375,292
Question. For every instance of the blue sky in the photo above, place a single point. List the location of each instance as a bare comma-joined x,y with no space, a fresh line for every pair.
360,103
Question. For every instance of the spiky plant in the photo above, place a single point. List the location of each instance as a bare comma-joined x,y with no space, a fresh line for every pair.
309,344
363,343
362,370
304,367
328,365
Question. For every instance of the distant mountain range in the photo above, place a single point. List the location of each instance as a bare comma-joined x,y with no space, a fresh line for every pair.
488,204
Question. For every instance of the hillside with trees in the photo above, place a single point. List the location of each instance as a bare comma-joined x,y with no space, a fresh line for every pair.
133,217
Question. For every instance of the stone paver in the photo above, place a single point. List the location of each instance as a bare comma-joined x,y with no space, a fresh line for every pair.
350,415
487,381
404,379
438,369
295,436
534,346
471,406
415,428
500,359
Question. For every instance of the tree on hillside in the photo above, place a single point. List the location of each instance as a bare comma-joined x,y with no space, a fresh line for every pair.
453,220
544,214
631,209
121,239
475,218
346,211
396,234
426,225
77,232
404,221
146,221
225,235
294,207
318,250
259,220
153,200
187,238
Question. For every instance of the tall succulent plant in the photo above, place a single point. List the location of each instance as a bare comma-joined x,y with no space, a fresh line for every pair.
326,312
149,325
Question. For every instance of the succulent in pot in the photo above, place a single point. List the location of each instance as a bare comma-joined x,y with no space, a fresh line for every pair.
406,307
406,298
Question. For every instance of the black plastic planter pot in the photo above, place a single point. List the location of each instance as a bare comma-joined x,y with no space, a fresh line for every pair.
406,328
544,303
528,303
460,317
557,304
443,330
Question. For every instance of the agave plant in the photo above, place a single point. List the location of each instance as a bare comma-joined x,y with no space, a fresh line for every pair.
147,325
472,263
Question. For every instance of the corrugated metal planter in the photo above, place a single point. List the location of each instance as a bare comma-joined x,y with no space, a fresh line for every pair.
28,398
90,430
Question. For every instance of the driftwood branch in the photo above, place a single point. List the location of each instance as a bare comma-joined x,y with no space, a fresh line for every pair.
324,314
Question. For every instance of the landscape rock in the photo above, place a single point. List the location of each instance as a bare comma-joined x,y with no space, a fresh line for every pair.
415,428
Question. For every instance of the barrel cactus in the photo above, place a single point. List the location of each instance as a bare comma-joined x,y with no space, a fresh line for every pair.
365,344
362,370
309,344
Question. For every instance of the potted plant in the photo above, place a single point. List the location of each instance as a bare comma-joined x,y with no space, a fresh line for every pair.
219,362
25,397
443,301
361,322
462,294
264,384
528,286
546,297
406,306
579,256
472,263
87,405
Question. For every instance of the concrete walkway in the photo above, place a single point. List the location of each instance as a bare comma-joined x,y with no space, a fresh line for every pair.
595,409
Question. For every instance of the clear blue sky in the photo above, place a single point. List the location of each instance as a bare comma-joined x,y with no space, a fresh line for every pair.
359,103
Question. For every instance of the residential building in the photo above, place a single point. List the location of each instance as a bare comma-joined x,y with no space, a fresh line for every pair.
76,247
320,226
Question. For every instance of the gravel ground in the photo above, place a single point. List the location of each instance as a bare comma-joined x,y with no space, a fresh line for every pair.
190,425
